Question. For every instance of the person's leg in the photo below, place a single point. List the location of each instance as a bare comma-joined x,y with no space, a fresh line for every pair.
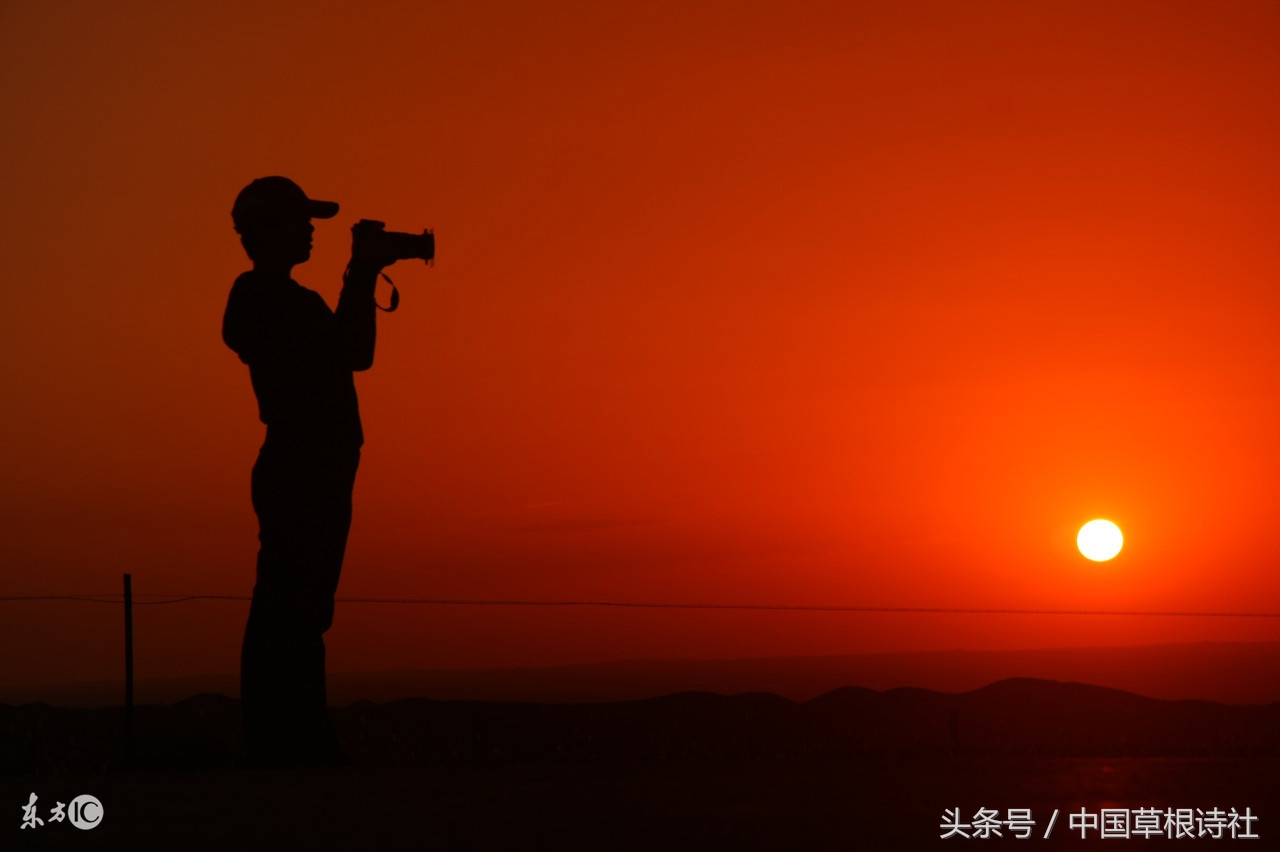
304,511
275,652
333,519
270,662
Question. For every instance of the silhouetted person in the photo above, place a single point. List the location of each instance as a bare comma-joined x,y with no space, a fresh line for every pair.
301,357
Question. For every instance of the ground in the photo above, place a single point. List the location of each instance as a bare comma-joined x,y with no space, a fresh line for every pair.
872,803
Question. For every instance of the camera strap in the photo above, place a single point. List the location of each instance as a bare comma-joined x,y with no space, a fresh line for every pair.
395,295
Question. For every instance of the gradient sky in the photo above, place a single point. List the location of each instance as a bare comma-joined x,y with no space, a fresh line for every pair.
796,302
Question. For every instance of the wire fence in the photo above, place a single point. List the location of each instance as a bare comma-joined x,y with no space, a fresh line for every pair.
160,599
129,600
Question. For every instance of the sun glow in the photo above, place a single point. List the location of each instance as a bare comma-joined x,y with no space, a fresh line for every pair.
1099,540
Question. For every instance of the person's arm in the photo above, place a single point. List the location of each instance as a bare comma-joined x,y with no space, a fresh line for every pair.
242,322
356,313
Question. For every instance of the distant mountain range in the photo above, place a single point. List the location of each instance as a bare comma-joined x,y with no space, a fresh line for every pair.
1021,716
1228,672
1010,718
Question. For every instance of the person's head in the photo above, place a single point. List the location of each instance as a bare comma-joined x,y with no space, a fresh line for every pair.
273,217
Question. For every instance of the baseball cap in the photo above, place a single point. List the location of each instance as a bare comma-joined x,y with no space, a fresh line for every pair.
276,197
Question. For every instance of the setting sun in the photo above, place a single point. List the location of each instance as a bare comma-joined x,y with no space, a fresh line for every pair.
1099,540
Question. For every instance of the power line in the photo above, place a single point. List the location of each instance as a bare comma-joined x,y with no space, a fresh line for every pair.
89,598
175,598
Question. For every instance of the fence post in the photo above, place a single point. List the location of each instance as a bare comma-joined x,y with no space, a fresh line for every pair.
128,670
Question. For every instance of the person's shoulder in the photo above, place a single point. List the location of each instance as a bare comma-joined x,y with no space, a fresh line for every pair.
252,299
254,287
244,286
257,293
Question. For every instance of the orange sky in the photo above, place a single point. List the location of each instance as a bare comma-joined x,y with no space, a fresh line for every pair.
790,302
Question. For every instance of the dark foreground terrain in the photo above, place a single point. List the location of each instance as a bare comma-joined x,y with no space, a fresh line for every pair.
853,769
872,803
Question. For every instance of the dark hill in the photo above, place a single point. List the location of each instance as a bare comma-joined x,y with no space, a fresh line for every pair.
1010,718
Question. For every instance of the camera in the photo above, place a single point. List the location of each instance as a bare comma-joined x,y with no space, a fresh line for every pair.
371,239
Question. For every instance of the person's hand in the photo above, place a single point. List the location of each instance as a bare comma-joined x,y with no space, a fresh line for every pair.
369,246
